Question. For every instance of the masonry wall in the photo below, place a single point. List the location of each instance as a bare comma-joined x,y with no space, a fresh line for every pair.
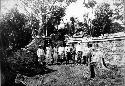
113,51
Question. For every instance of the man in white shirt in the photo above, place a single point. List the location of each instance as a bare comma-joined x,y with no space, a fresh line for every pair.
85,55
60,52
95,61
48,55
41,55
78,52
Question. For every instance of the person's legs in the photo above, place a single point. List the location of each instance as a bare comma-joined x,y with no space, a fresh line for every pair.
47,60
92,70
66,59
44,61
39,60
70,57
80,59
61,60
84,60
87,62
74,58
50,60
56,59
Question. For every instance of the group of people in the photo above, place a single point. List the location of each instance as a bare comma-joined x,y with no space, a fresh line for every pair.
54,55
58,54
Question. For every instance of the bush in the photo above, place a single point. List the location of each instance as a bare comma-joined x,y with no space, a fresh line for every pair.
23,62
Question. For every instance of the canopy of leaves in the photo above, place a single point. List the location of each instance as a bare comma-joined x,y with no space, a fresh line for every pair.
16,31
118,11
54,20
102,24
116,27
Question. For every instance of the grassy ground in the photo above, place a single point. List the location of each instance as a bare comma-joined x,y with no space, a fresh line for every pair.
76,75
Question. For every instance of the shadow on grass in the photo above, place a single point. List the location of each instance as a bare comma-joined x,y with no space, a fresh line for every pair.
11,73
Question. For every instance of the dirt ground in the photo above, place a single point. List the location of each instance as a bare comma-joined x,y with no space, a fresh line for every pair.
75,75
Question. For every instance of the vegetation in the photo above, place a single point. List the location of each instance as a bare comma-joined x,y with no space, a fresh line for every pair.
102,24
17,29
16,33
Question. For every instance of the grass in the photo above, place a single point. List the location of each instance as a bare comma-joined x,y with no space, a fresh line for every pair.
76,75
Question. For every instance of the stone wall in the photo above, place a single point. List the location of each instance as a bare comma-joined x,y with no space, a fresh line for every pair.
113,51
112,46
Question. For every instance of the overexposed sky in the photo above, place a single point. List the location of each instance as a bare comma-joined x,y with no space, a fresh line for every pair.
75,9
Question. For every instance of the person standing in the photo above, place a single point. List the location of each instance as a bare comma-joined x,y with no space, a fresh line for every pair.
73,53
60,53
68,57
80,50
48,55
55,54
88,53
90,63
95,61
67,52
41,55
79,56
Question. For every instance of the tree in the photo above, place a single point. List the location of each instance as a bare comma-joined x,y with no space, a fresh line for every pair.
16,30
16,33
72,26
102,24
116,27
118,11
54,20
45,11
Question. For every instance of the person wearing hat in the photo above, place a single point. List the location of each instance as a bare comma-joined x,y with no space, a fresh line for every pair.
40,54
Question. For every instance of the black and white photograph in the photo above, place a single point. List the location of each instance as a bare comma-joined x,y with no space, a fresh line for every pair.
62,42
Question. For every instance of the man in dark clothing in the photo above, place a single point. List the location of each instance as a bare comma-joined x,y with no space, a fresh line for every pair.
68,57
84,60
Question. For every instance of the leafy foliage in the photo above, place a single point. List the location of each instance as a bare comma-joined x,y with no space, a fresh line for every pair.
116,27
102,24
118,11
24,62
16,31
54,20
23,57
